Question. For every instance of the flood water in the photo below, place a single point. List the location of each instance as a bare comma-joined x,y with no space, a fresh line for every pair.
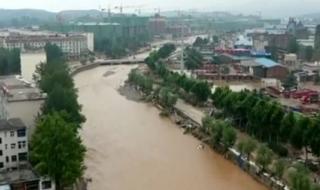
29,61
130,147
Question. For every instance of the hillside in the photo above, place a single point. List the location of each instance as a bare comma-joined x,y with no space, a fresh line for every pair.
18,17
27,17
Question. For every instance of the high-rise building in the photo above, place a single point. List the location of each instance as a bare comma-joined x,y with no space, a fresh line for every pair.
317,38
157,25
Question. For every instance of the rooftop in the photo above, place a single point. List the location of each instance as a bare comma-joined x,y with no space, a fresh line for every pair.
18,89
14,123
266,62
243,40
97,24
23,174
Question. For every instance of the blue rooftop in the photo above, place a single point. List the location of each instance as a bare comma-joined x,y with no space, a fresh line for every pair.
266,62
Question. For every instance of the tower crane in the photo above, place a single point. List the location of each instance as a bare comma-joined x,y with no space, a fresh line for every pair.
102,10
121,7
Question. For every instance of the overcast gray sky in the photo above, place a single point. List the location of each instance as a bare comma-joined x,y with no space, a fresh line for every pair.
266,7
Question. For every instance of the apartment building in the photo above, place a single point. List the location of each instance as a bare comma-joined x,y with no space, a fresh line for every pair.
72,44
13,144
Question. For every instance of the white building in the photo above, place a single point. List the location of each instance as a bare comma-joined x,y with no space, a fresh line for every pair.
13,144
72,44
90,41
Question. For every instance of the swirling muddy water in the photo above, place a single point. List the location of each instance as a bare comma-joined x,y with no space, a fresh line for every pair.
130,147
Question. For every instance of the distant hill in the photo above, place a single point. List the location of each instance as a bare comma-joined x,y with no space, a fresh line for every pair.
15,15
71,15
27,17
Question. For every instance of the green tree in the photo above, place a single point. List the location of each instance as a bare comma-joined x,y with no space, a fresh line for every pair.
53,53
216,131
167,98
57,151
201,90
314,136
247,147
166,50
287,124
207,122
199,42
55,73
315,187
229,137
293,46
62,99
279,168
144,82
299,178
193,59
10,62
300,136
309,53
264,156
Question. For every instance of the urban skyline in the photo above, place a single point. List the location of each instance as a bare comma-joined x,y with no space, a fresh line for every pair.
283,8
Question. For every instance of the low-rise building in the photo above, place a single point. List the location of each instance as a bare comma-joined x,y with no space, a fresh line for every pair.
20,99
291,61
265,68
24,178
259,41
13,144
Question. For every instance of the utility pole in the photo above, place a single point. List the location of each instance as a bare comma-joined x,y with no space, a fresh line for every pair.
182,44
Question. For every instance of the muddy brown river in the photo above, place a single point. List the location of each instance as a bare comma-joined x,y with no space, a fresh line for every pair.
129,147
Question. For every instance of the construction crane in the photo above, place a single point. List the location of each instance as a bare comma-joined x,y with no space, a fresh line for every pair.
121,7
102,10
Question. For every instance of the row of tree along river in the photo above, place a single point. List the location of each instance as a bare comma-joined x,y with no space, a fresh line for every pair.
130,147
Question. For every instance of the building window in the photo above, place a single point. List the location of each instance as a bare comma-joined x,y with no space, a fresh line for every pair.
11,133
14,158
6,146
1,153
7,158
0,140
13,146
23,156
21,144
1,164
46,185
21,132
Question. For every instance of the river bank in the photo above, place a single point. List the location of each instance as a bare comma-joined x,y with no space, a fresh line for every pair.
190,118
131,147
